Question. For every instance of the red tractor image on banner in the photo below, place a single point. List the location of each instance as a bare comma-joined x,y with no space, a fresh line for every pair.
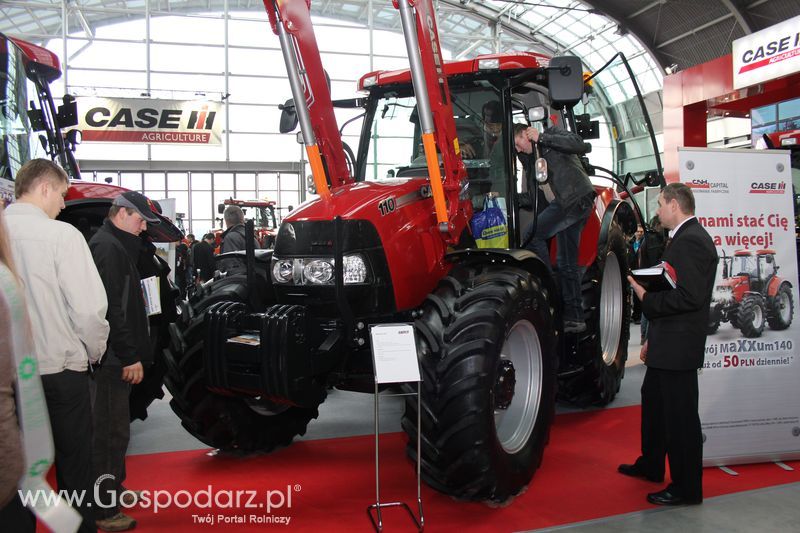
751,294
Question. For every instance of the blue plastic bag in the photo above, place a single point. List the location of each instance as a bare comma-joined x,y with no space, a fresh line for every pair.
489,226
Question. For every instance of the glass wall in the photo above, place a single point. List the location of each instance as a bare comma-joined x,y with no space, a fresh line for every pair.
207,190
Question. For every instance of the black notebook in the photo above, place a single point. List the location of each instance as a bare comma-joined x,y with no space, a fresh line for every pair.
658,278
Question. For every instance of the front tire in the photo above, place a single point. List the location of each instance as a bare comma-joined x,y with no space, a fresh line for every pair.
230,423
488,354
751,316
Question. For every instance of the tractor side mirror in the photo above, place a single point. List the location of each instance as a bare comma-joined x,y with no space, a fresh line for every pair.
220,208
565,80
536,114
289,118
770,259
36,117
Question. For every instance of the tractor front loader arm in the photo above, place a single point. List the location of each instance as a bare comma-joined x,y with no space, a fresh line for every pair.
436,115
291,21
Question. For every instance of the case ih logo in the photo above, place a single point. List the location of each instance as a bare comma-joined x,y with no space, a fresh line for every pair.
767,54
767,187
150,121
771,53
702,185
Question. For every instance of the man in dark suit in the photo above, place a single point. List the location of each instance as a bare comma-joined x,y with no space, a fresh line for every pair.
673,352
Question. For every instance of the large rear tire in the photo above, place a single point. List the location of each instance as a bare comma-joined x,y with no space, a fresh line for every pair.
603,347
781,308
487,351
751,315
231,423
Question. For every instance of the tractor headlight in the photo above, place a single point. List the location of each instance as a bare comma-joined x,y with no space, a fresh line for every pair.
355,269
283,271
319,271
722,294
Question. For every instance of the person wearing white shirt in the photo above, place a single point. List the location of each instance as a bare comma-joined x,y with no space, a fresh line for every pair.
67,304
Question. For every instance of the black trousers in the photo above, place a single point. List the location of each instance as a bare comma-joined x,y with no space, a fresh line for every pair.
671,428
70,410
111,435
16,517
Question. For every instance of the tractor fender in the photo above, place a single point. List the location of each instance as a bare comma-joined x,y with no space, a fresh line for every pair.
775,284
623,213
521,258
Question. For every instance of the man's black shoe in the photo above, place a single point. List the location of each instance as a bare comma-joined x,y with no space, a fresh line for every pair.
635,470
665,497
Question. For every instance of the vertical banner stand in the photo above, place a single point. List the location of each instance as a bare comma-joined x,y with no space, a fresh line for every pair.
394,357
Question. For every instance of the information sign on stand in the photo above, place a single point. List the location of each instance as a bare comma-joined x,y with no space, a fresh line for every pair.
394,355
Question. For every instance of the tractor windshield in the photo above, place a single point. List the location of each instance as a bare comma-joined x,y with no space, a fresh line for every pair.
744,265
395,147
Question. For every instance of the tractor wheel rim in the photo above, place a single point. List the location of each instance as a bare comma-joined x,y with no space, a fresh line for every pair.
265,407
785,308
758,316
522,349
611,306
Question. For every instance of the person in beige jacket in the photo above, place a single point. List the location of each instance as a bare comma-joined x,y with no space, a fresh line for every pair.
67,305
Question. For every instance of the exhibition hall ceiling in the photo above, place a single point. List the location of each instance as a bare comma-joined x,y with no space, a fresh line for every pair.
662,34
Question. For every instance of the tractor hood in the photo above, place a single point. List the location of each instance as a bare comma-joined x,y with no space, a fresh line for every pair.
87,204
732,282
363,200
392,223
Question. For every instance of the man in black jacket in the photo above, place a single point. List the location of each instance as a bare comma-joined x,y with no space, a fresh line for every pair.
116,247
570,195
204,257
673,352
233,239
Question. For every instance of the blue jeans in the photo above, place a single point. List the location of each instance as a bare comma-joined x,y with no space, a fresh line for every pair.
566,226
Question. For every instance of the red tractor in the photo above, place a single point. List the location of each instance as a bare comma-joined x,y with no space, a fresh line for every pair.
26,70
753,296
372,250
264,220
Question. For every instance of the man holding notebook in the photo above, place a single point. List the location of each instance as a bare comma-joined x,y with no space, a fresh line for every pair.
673,353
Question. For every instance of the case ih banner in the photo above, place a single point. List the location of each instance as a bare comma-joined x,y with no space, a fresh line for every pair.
749,394
767,54
144,120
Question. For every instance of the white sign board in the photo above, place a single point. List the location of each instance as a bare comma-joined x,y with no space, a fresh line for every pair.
749,394
394,353
767,54
150,121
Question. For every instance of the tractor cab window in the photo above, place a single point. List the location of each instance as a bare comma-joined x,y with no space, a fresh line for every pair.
395,145
767,267
18,143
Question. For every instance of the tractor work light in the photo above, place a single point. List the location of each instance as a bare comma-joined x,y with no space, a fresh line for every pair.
319,271
489,64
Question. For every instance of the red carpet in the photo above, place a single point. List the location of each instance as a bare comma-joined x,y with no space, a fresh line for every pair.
332,481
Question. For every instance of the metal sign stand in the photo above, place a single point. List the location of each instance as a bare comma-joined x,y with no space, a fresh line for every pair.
377,523
395,360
